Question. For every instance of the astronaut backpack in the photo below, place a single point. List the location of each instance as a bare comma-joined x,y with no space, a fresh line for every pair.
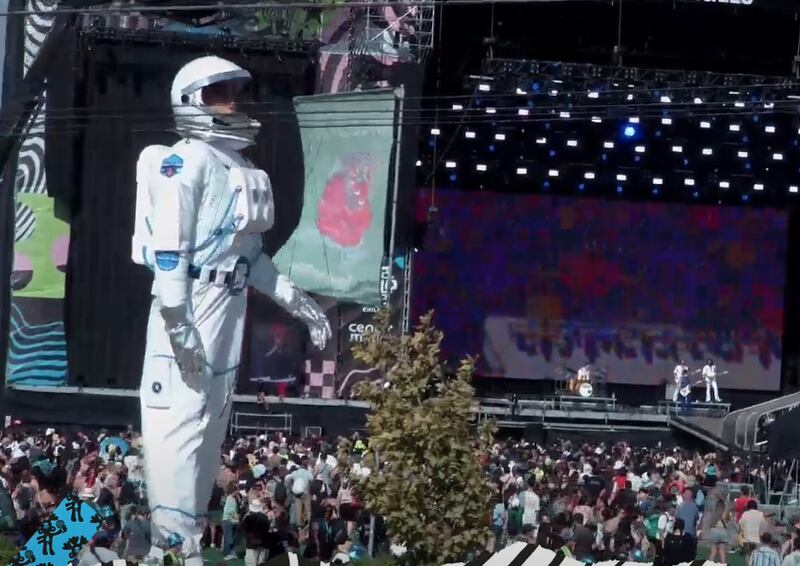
142,252
250,189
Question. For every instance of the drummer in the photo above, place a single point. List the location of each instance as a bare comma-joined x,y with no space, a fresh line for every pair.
585,373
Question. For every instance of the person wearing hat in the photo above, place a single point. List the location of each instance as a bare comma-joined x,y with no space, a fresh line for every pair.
173,556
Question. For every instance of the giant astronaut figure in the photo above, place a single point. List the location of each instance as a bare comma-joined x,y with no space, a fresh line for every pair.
200,212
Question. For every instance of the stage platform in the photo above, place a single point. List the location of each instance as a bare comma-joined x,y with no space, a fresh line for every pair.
109,407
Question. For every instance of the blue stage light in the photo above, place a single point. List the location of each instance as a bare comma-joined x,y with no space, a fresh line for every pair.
629,131
491,148
745,197
552,153
695,194
536,87
637,158
546,184
619,189
453,177
655,191
581,187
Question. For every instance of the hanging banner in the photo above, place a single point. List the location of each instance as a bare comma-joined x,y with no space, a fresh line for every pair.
356,321
339,245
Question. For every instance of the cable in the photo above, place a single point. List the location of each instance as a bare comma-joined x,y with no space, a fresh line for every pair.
127,9
467,114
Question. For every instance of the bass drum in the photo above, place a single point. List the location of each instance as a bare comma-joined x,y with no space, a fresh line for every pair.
586,390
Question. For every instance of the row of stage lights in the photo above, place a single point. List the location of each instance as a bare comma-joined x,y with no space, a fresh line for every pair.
700,109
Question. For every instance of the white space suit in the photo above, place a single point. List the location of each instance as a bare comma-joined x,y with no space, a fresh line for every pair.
201,210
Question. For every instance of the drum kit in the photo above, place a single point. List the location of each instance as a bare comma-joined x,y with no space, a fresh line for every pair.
585,381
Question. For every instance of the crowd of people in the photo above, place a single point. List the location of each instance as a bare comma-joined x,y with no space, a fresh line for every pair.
276,494
598,502
273,495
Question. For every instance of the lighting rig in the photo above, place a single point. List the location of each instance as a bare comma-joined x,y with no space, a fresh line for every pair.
531,126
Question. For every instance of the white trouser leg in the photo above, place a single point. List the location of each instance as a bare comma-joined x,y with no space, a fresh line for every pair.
184,418
715,387
708,390
675,393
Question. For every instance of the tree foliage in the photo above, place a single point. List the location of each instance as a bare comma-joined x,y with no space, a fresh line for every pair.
430,488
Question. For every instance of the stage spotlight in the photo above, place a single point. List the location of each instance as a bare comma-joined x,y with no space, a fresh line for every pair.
724,185
743,154
738,104
521,92
450,164
458,107
634,120
639,149
666,100
481,167
564,114
629,97
541,141
758,187
572,143
500,137
705,125
708,151
597,120
777,156
435,131
666,121
523,112
522,171
621,177
689,182
698,100
484,87
419,163
554,92
589,175
491,110
629,131
735,127
658,181
770,129
594,94
553,172
793,189
677,149
469,135
608,145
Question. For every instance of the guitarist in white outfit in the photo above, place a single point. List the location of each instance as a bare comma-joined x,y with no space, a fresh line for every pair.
710,377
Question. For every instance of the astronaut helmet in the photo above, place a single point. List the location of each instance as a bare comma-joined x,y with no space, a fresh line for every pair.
203,98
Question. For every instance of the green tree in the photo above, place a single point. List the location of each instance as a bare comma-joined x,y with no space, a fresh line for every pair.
431,488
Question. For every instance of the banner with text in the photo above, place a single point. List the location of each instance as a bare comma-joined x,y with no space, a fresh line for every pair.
339,245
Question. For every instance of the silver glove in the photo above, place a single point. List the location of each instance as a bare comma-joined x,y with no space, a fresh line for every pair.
188,349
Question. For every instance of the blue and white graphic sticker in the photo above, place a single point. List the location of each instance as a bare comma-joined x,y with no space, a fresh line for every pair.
172,165
167,261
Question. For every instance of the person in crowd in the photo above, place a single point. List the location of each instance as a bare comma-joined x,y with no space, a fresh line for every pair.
719,520
752,525
679,546
740,504
765,553
793,557
136,535
98,551
230,519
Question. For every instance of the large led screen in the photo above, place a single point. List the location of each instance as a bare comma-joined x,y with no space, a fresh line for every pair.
534,284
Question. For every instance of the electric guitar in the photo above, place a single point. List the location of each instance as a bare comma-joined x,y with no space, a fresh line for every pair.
684,391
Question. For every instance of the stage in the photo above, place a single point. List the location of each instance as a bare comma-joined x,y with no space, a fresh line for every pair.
563,415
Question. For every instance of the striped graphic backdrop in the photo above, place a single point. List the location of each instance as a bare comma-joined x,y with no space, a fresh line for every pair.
37,345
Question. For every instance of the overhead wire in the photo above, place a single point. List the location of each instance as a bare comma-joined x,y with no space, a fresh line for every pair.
515,120
266,5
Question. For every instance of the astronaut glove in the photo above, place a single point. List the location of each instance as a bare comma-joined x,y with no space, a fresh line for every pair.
318,326
188,349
